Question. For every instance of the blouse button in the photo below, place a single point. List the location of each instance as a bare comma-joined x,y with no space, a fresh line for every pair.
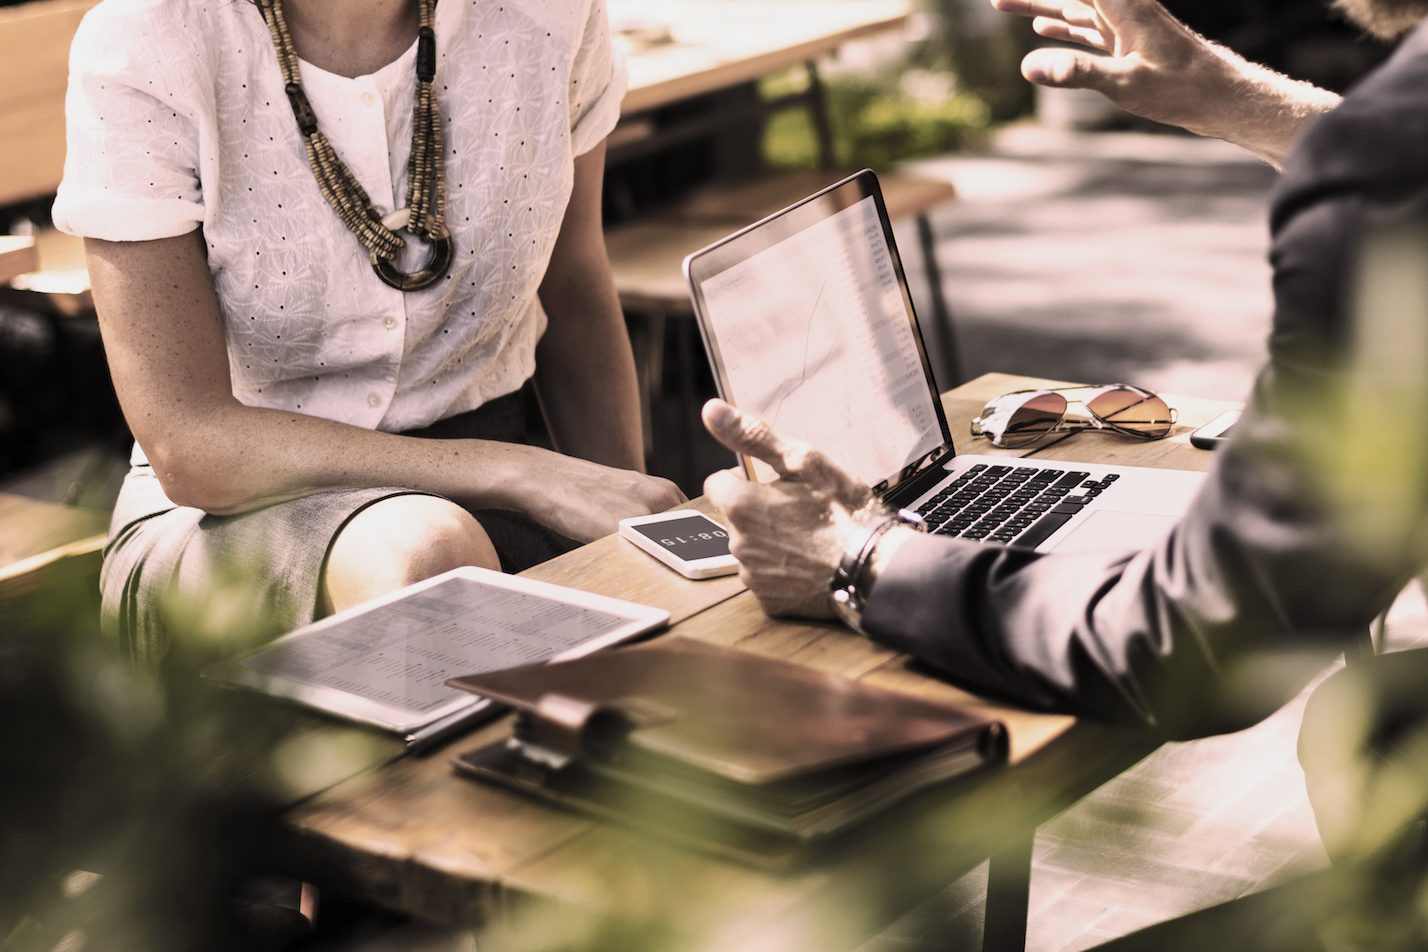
368,99
374,400
389,322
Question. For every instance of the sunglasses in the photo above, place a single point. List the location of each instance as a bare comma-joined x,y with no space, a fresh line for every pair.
1028,416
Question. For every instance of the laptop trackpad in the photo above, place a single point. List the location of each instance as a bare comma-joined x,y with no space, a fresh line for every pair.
1107,530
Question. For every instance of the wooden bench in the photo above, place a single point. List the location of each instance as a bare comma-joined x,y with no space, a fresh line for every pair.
57,280
17,255
646,260
646,256
39,541
906,196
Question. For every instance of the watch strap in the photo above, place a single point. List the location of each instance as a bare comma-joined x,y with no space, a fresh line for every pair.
851,583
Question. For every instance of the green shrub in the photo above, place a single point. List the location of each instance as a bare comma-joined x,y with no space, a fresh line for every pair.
876,122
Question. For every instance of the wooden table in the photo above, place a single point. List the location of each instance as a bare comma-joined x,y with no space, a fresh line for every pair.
714,52
17,255
722,43
38,536
412,835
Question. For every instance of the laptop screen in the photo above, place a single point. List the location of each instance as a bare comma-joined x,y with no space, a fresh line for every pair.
808,322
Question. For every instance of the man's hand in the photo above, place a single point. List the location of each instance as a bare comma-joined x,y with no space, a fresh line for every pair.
1148,62
1143,58
788,535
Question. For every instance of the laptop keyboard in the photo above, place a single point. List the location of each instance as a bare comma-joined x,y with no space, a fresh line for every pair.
1013,505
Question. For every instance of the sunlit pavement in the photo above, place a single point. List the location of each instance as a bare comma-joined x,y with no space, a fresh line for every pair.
1105,257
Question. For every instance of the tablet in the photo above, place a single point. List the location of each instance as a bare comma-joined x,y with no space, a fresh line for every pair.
385,663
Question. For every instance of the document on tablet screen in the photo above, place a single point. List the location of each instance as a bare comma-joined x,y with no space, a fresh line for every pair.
386,663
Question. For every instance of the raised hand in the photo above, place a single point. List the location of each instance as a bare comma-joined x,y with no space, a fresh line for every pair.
788,535
1141,57
1148,62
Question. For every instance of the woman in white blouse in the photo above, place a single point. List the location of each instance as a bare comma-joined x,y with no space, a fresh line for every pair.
266,369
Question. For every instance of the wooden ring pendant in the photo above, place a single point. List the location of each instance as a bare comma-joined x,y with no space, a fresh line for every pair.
438,262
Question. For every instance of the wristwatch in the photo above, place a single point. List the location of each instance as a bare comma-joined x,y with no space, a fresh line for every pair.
852,583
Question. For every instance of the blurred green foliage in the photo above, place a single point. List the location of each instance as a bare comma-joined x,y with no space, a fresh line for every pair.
983,49
137,800
876,121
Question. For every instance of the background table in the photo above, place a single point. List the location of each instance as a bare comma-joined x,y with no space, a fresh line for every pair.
17,255
713,46
413,836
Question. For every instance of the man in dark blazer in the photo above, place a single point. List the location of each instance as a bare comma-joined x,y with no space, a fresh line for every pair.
1276,557
1315,515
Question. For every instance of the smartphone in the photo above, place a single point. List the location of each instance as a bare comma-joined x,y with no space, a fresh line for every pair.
689,542
1215,432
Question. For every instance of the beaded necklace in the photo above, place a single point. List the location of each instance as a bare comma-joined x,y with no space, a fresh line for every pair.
424,216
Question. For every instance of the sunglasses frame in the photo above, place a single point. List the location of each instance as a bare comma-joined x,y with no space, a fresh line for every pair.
1068,424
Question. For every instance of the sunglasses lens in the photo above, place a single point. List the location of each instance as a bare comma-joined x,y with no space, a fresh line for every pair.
1133,410
1032,420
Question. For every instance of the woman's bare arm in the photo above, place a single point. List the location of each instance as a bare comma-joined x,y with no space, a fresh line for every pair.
165,344
585,372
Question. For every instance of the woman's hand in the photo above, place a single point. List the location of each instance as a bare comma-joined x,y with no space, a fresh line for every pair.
584,501
1149,63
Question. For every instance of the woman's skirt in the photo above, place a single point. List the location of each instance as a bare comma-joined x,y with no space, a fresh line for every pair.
168,567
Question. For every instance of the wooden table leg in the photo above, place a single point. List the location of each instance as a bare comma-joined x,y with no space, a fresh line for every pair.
947,362
647,339
818,112
1008,888
689,418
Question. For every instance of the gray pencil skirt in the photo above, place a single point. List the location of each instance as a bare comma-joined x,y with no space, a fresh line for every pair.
173,570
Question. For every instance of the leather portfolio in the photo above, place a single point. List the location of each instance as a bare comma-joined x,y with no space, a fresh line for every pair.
743,754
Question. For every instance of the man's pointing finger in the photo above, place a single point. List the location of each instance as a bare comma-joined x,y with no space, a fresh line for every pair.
746,434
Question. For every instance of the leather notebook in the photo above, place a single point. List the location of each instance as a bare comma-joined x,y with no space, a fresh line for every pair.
746,755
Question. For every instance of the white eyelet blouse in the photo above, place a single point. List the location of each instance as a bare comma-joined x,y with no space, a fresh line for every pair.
177,119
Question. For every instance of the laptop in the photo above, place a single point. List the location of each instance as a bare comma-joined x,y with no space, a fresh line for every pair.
808,323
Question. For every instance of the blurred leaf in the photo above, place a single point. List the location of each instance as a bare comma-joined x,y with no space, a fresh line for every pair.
876,122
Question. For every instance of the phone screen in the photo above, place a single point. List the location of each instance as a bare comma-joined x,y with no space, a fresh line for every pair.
690,538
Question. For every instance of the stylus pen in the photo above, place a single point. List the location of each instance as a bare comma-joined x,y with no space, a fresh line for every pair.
449,726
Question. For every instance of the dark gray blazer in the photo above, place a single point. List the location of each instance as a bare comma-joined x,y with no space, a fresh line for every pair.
1268,575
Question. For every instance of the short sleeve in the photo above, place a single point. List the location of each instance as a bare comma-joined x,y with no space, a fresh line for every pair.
131,159
597,83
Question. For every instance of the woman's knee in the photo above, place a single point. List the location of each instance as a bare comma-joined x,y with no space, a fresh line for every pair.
398,541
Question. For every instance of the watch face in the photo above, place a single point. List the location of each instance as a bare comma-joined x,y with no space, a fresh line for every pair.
691,538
